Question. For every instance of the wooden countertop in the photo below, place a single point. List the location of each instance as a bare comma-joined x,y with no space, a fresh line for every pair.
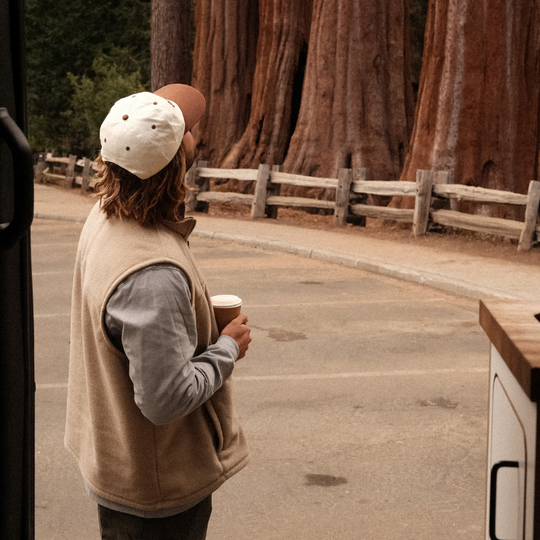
515,332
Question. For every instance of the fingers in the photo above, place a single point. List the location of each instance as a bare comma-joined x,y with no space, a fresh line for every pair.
235,324
242,318
240,332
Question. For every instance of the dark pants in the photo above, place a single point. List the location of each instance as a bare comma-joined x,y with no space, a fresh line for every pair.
189,525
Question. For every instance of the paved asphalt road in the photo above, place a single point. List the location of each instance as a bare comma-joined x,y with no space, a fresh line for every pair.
364,400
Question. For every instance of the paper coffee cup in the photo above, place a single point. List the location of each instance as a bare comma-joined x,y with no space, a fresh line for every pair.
226,308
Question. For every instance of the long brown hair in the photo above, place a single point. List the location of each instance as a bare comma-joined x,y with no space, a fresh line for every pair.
149,201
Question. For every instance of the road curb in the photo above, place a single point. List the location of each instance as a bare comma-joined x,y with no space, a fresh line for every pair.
436,281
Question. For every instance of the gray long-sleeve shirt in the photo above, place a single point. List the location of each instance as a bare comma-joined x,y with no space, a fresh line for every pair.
149,318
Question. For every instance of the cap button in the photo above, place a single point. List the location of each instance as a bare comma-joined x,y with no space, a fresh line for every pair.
125,117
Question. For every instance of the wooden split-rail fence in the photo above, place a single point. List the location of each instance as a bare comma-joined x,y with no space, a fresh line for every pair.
66,171
431,192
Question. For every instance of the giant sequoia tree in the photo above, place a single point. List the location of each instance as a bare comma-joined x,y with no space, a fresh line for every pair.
357,103
277,83
477,112
171,43
354,107
223,67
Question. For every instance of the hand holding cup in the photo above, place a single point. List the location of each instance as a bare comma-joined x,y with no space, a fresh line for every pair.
240,332
226,308
231,322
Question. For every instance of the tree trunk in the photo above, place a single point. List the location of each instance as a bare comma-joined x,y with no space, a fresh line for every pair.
223,67
357,103
277,84
477,112
171,42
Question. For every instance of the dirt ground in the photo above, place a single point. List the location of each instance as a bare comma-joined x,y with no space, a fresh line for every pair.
444,239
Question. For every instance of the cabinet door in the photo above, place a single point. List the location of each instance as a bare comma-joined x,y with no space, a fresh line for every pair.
511,457
508,460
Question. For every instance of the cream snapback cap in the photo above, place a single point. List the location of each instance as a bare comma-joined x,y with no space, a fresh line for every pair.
142,133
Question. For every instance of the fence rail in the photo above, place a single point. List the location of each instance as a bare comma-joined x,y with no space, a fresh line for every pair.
66,171
431,192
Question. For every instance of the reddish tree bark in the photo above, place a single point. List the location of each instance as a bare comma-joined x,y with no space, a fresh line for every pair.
277,84
477,112
170,45
223,67
357,103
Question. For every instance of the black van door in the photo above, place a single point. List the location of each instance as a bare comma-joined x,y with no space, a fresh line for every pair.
16,315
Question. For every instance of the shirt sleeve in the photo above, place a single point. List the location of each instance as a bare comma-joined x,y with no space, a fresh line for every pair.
149,318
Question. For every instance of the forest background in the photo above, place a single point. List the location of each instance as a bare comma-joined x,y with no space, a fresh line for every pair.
83,56
315,85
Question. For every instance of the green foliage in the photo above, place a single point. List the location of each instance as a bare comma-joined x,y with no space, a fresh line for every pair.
93,97
65,37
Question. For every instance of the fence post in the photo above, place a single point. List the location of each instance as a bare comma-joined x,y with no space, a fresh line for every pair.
259,198
40,167
203,206
194,188
424,182
360,174
342,197
70,172
190,180
531,213
86,175
273,191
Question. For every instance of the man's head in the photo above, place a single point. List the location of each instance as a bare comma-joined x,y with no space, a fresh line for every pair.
144,131
146,149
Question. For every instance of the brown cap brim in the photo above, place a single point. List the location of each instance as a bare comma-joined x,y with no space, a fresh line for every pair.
190,100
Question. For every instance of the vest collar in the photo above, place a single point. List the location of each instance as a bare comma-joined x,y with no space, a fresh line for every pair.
183,227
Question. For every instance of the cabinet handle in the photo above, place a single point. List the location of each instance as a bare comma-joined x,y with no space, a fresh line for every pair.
493,493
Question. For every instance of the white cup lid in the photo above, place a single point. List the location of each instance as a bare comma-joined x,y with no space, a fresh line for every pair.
226,300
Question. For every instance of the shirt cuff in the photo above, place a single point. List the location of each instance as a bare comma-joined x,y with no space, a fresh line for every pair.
230,344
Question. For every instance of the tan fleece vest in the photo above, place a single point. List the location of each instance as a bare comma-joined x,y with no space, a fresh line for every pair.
122,456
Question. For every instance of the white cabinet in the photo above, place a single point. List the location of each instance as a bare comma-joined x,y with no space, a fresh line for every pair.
512,511
511,456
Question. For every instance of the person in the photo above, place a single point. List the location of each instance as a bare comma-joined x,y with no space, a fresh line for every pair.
150,418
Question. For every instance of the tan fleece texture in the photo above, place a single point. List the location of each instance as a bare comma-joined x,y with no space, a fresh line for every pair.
122,456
